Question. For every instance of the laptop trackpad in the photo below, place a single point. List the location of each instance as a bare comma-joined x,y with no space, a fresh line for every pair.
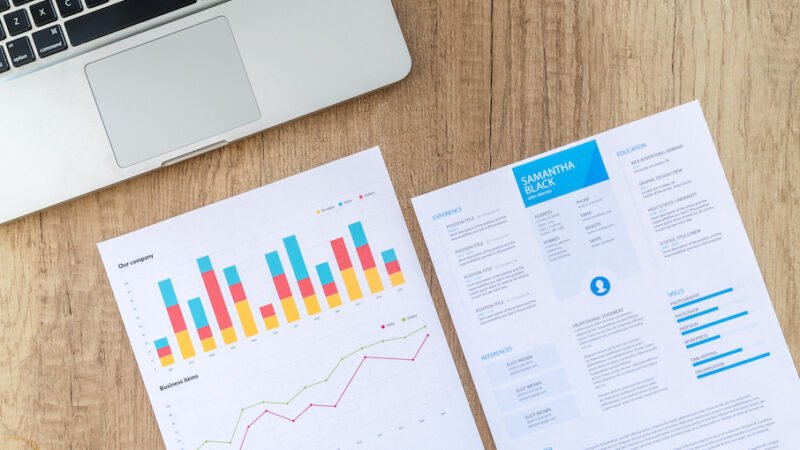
172,92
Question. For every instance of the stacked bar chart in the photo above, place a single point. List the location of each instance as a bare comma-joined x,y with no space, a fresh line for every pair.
268,314
240,301
333,289
202,325
346,269
365,257
217,301
282,287
328,285
164,352
301,275
176,318
392,267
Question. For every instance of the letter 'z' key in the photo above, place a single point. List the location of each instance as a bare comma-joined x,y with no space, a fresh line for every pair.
49,41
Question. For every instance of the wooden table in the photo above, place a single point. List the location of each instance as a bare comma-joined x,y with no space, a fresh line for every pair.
492,82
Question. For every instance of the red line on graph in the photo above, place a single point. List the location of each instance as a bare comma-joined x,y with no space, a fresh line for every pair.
310,405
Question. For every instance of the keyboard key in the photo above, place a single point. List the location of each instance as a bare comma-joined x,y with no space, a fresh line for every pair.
49,41
2,33
20,51
43,13
21,2
3,61
93,3
69,7
4,5
17,22
117,17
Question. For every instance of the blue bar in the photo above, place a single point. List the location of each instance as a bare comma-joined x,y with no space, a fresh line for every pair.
698,300
168,293
295,257
684,319
204,264
388,256
357,233
714,358
161,343
198,313
716,322
695,344
274,263
324,272
740,363
231,275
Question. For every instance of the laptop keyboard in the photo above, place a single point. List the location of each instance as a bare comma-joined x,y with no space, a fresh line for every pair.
37,33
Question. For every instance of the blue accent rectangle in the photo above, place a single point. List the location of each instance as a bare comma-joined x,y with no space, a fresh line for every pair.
731,366
204,264
198,313
692,316
698,300
324,272
274,263
357,233
168,293
561,173
714,358
695,344
161,343
388,256
295,257
716,322
231,275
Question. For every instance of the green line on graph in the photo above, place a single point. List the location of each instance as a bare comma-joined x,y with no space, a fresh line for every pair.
272,402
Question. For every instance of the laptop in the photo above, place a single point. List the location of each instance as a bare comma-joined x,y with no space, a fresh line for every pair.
97,91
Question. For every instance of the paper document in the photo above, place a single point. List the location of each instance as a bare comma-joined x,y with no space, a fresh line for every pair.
293,316
607,297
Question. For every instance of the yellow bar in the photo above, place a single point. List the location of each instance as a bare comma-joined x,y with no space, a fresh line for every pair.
290,309
396,278
185,344
271,322
373,280
246,316
208,344
167,360
312,305
334,300
351,284
229,335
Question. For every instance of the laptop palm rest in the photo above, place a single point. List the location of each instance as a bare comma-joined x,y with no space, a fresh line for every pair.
172,92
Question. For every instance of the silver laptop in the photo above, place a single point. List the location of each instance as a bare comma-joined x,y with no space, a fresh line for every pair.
97,91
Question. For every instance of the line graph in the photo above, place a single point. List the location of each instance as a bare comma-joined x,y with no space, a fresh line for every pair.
304,388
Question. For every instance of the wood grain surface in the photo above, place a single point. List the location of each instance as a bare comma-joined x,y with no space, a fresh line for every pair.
492,82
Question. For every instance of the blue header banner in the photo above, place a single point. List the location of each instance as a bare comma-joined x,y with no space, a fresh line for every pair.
561,173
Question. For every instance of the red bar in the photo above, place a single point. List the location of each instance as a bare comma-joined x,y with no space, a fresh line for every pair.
393,267
329,289
340,252
204,332
176,318
365,256
237,292
164,351
267,311
282,286
217,301
306,288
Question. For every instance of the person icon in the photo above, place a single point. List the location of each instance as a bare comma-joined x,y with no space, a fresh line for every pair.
600,286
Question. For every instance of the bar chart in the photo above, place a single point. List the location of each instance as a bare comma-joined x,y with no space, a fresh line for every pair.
284,287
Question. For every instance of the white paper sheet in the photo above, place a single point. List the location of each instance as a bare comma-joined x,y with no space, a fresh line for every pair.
606,296
358,358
